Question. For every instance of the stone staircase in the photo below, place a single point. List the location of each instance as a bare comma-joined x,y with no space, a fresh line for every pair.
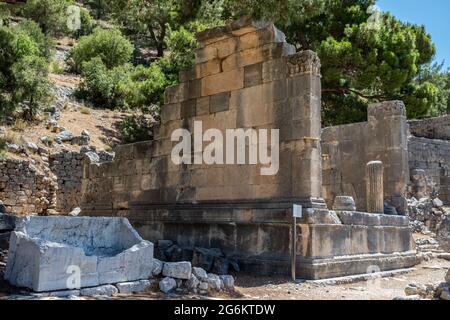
431,248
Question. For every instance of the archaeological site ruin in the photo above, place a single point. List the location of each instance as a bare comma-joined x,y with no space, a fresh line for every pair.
247,76
151,208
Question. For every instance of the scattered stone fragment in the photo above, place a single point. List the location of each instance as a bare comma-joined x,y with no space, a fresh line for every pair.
32,147
413,289
228,282
344,203
85,133
92,157
437,203
133,287
200,273
214,281
178,270
157,267
167,284
75,212
64,136
447,277
106,290
203,286
192,283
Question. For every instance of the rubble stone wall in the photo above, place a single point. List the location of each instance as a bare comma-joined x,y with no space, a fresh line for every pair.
347,149
25,189
432,128
432,156
68,168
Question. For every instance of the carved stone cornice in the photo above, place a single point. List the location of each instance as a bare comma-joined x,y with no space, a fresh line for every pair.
304,62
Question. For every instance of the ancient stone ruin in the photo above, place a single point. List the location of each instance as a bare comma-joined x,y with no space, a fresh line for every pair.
247,77
44,252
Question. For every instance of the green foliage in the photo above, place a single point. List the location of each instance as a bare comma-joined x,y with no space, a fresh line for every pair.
31,85
136,128
123,86
24,84
367,56
44,42
51,15
109,45
86,24
99,8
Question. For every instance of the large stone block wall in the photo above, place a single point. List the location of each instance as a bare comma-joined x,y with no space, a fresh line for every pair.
246,76
347,149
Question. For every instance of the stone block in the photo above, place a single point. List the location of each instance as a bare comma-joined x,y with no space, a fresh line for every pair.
205,54
256,55
202,106
223,82
106,290
219,102
188,109
133,287
208,68
167,284
46,253
253,75
177,270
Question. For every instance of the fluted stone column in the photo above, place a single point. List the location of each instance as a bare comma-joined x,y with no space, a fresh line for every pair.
374,187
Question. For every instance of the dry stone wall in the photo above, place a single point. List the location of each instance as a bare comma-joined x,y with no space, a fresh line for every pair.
26,189
68,169
432,128
433,158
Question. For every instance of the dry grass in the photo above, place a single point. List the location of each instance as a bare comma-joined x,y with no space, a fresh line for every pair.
84,110
11,137
20,125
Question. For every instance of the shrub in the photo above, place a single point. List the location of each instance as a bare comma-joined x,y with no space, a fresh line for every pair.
109,45
122,87
100,85
24,84
136,128
44,42
51,15
32,85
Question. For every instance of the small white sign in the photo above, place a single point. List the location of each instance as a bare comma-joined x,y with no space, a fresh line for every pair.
297,211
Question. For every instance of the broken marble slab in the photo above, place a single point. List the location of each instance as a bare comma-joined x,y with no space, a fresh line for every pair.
65,253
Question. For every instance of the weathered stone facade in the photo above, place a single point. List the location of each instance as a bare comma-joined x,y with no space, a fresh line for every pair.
347,149
246,76
432,128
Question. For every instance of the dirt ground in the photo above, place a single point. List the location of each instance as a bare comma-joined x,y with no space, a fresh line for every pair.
281,288
257,288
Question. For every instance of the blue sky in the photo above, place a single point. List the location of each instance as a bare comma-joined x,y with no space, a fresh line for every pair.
434,14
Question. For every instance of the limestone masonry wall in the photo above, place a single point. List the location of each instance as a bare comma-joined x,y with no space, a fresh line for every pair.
245,76
347,149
